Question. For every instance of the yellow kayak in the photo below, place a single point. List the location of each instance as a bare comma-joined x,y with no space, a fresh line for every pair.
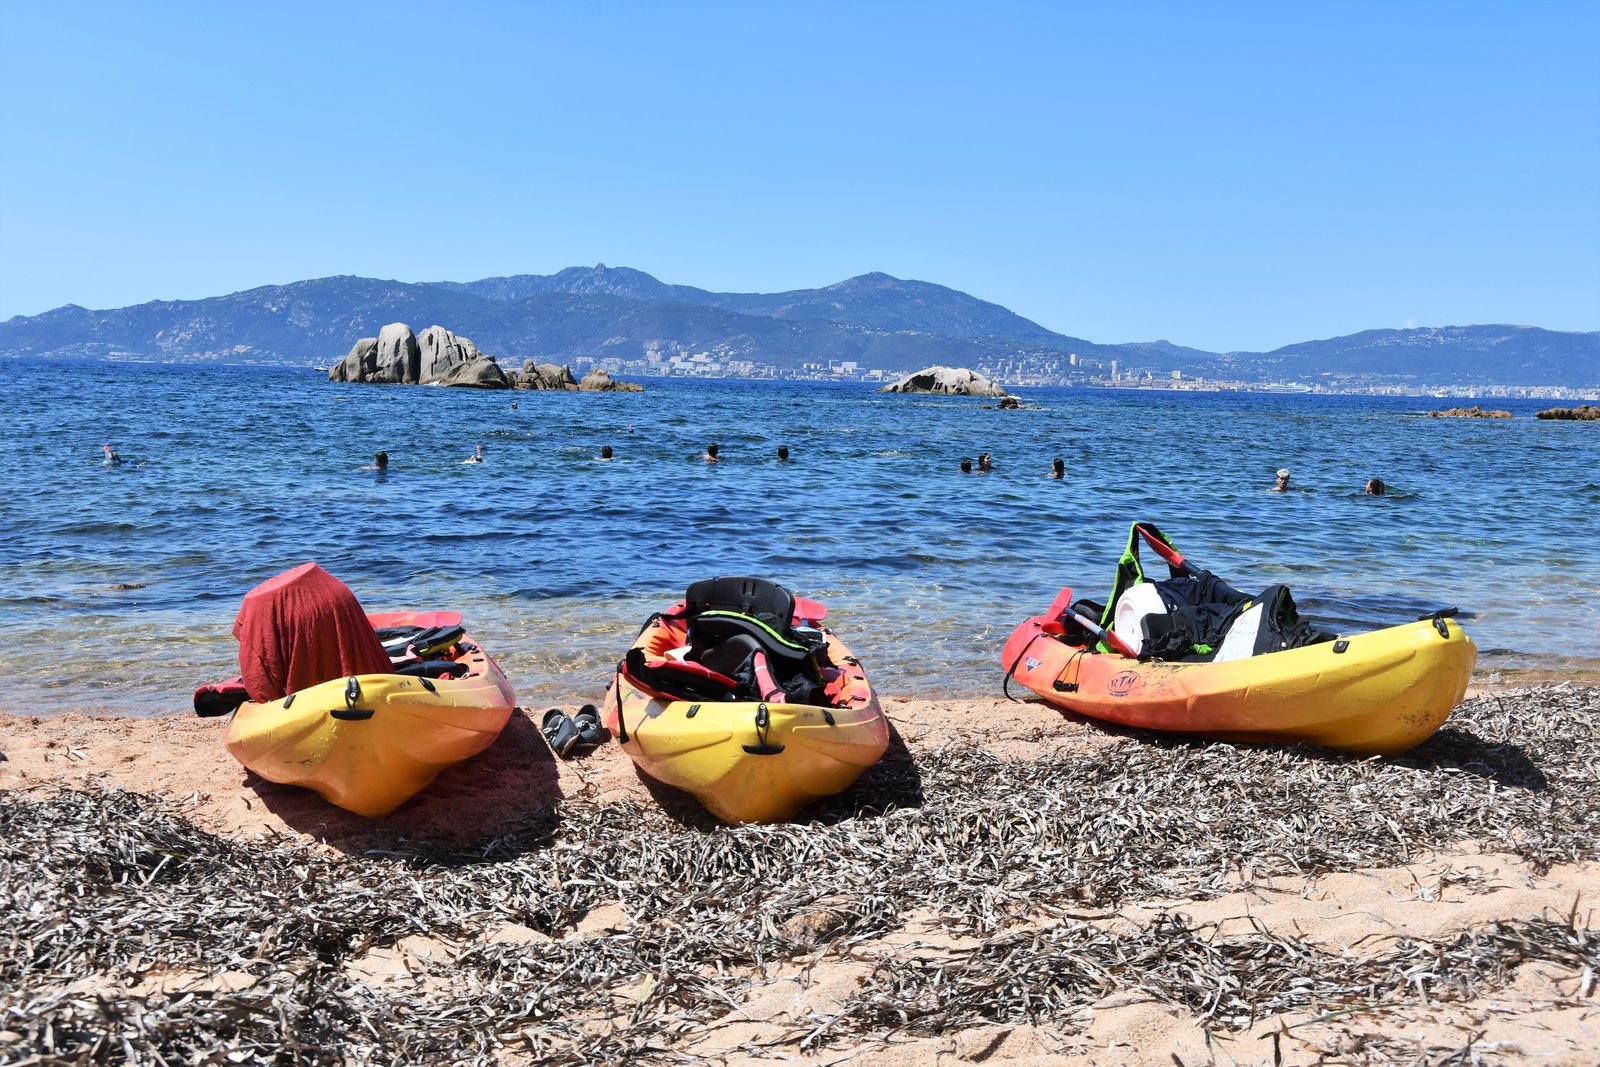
370,742
685,723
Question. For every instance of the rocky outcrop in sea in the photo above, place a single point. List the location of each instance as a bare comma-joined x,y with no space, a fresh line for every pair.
560,378
398,356
950,381
437,356
1474,412
1581,413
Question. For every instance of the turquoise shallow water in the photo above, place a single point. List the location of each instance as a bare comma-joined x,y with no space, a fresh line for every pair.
234,474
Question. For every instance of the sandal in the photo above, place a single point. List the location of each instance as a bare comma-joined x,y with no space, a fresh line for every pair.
591,732
559,729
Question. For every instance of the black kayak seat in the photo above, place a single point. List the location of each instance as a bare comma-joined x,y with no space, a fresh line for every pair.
711,628
758,598
398,639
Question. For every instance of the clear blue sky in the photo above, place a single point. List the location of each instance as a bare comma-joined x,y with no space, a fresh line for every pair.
1229,176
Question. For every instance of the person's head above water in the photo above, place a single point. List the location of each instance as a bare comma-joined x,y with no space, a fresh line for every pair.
1058,469
1283,479
984,462
1375,487
711,452
381,460
605,451
966,466
783,453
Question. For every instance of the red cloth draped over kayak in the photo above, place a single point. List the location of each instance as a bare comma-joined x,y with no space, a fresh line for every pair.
302,628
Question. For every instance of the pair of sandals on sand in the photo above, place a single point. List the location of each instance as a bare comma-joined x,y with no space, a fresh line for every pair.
573,735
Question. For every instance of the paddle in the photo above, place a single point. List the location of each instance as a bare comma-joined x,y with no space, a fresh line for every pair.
1062,606
1109,637
1167,552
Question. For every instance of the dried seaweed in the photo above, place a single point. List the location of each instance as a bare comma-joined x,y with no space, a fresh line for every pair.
129,935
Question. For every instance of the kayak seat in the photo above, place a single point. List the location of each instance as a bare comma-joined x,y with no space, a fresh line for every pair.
710,628
758,598
414,640
731,619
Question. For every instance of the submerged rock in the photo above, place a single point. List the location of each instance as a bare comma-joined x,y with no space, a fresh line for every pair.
950,381
1581,413
1474,412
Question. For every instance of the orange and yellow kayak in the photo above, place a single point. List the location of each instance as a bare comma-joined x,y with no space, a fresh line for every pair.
1372,693
745,760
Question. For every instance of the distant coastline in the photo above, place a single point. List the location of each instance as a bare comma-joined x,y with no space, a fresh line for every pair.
870,328
877,377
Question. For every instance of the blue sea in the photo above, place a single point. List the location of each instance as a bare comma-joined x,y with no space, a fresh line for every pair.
120,584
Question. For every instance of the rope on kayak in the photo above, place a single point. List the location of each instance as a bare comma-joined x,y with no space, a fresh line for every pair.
622,727
1005,686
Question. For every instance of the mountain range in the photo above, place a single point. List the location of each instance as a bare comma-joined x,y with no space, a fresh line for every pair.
874,320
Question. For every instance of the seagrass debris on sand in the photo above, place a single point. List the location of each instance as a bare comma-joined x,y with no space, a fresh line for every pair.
968,890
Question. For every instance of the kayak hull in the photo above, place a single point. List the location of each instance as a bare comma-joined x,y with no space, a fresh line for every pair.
1374,693
372,764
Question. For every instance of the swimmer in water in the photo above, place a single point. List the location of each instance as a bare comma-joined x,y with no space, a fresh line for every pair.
380,462
1282,485
783,453
1375,487
985,464
113,458
1058,469
711,453
476,457
966,466
605,452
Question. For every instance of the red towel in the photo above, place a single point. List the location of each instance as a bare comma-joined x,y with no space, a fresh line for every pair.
302,628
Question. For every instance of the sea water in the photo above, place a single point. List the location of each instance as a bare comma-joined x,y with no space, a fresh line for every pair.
120,583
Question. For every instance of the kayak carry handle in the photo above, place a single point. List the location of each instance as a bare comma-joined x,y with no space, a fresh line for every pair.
1438,617
351,713
763,724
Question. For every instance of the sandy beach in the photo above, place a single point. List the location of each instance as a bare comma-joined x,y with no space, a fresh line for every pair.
1007,887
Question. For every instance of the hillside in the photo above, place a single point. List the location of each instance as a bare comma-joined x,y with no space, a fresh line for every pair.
875,320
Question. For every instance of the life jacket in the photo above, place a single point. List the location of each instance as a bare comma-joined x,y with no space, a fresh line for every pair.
1206,619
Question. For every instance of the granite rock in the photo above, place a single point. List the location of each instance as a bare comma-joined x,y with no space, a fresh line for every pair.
950,381
357,364
442,351
397,358
598,381
481,372
546,376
